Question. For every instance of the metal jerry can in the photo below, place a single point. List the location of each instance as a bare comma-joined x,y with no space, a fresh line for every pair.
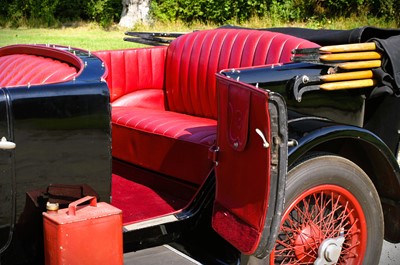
89,234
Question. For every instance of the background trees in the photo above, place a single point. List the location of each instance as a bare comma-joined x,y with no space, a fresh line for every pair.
134,11
50,13
237,11
35,13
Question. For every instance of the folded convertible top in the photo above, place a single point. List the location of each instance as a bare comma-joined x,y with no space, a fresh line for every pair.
326,37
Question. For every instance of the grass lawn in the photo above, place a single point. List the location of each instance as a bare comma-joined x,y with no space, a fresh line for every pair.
86,37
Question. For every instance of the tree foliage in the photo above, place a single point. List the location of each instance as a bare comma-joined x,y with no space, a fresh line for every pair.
105,12
237,11
214,11
53,12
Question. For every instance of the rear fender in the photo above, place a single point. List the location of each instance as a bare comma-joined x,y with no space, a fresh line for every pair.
366,150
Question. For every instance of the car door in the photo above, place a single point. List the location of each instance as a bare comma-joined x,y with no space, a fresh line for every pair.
7,189
250,165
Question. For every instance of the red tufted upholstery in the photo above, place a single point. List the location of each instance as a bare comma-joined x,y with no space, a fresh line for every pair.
193,60
132,70
26,69
168,126
169,142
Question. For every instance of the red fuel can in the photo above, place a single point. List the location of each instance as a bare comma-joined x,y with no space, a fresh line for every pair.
83,235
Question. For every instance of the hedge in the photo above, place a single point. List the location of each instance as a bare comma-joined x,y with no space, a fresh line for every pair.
54,12
105,12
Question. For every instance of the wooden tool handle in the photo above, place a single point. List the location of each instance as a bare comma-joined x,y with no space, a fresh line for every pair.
360,65
356,47
352,56
349,84
347,76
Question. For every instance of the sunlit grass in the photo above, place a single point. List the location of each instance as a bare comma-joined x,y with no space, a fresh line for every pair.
92,37
88,37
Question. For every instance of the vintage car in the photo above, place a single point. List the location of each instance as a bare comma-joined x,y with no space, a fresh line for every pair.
236,146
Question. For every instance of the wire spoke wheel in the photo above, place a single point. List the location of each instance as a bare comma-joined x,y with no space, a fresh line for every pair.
329,197
325,211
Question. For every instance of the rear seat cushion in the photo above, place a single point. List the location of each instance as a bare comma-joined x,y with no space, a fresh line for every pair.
164,141
145,98
175,141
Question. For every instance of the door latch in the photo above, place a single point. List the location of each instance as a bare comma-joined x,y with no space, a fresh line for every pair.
260,133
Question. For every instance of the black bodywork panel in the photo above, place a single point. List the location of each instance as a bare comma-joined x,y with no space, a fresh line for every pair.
63,152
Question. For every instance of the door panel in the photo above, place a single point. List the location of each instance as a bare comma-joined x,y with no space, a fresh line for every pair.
6,176
243,164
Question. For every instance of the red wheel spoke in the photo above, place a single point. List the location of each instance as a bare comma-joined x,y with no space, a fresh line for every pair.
321,213
329,224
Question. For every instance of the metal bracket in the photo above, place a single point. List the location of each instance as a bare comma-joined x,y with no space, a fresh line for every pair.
304,83
213,154
151,38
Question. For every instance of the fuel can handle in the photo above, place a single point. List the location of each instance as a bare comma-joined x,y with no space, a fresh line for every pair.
73,205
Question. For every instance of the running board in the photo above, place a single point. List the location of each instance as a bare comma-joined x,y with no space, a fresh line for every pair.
150,223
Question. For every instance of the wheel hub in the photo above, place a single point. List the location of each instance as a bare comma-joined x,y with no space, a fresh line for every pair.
332,253
329,251
307,240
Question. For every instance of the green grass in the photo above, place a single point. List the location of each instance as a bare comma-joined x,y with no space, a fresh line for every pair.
85,37
92,37
89,37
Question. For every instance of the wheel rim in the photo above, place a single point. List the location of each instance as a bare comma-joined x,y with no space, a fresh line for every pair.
317,214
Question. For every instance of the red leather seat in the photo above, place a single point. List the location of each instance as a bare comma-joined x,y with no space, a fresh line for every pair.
168,122
157,139
27,69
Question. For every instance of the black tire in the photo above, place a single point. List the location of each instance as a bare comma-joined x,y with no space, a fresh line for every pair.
316,186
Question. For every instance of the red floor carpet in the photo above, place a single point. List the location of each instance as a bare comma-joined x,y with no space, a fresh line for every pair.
139,202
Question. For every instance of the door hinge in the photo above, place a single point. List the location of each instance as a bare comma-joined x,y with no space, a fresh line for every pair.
213,154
